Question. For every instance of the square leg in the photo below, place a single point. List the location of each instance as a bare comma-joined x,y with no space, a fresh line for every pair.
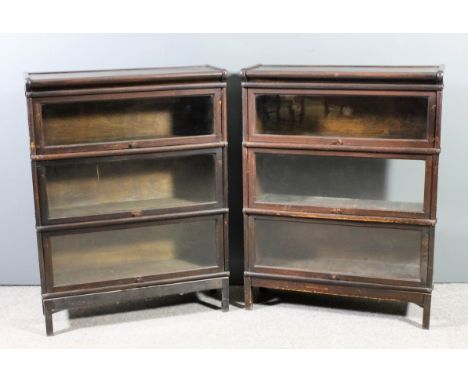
426,312
248,299
48,321
225,295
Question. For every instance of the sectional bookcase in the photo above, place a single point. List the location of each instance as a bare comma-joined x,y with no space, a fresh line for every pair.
340,180
130,184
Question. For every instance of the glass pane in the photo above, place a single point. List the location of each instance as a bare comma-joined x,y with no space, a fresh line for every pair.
122,120
122,185
79,258
342,116
356,250
340,182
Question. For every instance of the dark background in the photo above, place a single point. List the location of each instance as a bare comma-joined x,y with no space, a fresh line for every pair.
236,229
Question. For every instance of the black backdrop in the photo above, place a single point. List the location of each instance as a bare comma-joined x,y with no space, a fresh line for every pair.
236,230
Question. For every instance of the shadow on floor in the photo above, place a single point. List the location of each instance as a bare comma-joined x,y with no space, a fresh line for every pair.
140,310
132,306
148,309
394,309
274,297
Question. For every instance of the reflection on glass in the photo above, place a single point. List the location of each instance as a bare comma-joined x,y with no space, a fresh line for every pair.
122,120
342,116
340,182
355,250
122,185
80,258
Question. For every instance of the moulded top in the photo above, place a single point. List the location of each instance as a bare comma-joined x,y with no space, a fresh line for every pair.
424,74
91,78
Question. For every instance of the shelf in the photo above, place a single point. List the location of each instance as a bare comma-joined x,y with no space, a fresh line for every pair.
356,249
121,270
348,203
88,122
80,188
392,270
124,206
294,178
80,257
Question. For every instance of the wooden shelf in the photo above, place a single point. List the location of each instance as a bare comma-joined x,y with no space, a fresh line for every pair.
124,206
121,270
392,269
320,201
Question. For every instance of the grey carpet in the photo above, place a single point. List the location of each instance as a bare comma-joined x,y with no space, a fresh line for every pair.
278,320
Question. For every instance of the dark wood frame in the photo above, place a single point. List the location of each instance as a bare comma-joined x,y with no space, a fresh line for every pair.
310,80
42,148
422,285
219,201
251,156
47,255
45,88
343,141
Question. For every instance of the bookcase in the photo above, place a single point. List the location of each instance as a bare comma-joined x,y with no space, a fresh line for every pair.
130,184
340,180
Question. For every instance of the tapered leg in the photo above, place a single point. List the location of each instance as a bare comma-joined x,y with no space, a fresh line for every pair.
225,295
427,312
248,293
48,321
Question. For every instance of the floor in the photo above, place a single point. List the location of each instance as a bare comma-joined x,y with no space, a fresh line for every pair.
278,320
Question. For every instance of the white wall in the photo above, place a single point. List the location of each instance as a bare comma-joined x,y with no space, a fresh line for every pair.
21,53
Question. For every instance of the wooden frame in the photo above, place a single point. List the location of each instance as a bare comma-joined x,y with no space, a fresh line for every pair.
252,203
135,84
218,202
42,148
47,254
344,141
425,256
347,81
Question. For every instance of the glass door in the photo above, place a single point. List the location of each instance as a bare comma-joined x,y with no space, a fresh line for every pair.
349,183
133,253
129,120
342,250
119,186
355,118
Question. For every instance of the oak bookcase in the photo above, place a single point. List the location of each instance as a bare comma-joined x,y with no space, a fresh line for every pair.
340,180
130,184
